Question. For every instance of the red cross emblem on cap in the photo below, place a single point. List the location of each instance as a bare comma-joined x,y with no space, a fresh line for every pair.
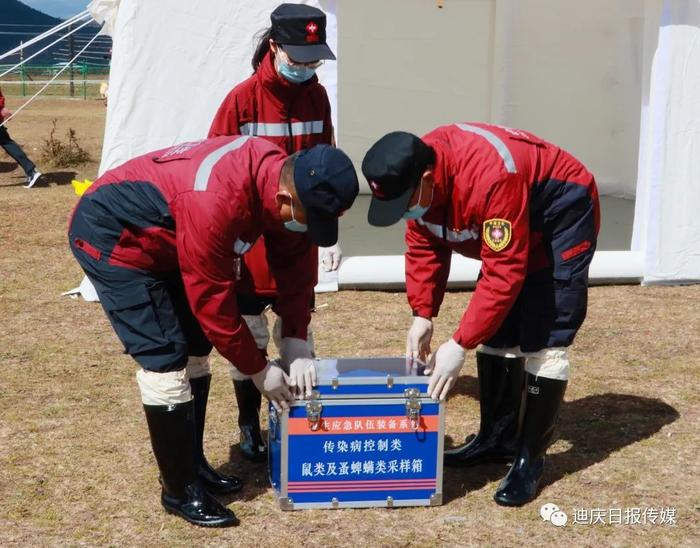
376,190
311,30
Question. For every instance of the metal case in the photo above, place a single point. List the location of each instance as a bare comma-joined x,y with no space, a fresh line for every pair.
369,436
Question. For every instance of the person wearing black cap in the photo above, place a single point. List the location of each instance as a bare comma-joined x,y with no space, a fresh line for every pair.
529,211
284,103
159,238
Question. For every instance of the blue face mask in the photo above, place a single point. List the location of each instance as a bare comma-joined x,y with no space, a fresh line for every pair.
294,225
296,75
417,211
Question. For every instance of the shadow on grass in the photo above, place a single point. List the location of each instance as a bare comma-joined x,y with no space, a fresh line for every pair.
7,167
56,178
255,478
466,385
595,426
47,179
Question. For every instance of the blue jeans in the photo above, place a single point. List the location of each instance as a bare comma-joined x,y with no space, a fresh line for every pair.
15,151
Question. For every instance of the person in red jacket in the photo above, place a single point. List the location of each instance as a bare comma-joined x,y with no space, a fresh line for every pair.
159,237
32,174
530,212
284,103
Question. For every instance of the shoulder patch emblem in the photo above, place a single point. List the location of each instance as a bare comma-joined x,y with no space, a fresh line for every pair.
497,233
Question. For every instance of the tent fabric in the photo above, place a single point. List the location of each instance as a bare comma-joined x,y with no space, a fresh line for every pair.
576,84
569,71
168,79
105,12
85,290
388,271
666,225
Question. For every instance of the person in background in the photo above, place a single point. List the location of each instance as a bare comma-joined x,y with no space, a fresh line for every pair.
14,150
159,236
530,212
284,103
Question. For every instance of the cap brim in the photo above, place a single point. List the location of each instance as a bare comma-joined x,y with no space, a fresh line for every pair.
323,228
389,212
306,54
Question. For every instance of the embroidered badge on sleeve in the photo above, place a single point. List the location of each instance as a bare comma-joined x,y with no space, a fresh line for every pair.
497,233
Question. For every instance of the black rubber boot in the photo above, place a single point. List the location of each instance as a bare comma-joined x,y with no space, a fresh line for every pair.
249,399
500,395
544,399
210,478
172,438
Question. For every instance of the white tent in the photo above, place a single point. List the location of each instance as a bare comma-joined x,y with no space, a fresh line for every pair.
173,64
667,224
576,72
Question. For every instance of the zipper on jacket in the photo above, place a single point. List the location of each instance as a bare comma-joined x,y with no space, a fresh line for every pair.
290,145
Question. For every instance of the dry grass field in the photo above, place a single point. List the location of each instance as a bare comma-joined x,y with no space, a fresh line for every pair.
76,466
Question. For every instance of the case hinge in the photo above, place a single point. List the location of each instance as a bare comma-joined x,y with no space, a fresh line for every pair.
286,503
413,406
313,410
436,499
274,423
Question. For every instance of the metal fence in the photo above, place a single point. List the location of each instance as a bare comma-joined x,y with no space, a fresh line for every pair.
81,80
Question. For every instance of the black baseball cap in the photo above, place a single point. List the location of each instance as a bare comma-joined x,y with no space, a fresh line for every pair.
326,183
301,30
393,168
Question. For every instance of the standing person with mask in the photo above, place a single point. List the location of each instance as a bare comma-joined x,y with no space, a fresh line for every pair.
159,237
530,212
283,102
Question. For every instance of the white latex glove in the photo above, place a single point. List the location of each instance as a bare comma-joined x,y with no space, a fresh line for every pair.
445,365
273,383
329,257
418,341
297,359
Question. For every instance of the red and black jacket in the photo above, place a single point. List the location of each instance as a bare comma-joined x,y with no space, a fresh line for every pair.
198,207
292,116
499,196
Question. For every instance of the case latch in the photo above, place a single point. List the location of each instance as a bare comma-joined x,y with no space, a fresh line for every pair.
413,406
313,410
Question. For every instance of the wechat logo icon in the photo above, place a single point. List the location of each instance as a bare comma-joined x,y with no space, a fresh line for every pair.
551,513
